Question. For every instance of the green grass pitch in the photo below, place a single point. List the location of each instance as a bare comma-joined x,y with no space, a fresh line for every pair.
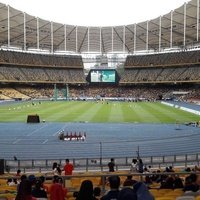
70,111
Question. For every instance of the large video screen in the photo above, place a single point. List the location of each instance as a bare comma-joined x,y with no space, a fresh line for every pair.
102,76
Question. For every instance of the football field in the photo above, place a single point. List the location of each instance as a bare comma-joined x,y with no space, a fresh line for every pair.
86,111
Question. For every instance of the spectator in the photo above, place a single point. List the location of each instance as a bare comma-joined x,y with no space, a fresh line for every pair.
133,165
142,191
191,183
56,169
127,194
68,168
97,192
111,165
56,190
11,182
24,192
38,191
86,191
114,182
129,181
140,166
18,173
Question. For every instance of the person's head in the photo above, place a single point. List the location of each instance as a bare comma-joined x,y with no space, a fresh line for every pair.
38,184
142,191
9,180
86,190
32,179
42,178
67,161
60,180
55,179
55,165
191,179
18,171
112,159
25,188
114,182
134,161
140,160
23,177
127,194
97,191
129,177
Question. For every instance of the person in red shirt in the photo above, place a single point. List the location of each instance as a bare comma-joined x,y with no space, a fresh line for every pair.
68,168
56,190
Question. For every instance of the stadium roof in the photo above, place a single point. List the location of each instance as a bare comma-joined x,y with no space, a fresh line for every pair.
177,29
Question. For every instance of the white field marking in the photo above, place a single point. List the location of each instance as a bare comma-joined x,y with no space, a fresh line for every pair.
16,141
56,133
45,141
31,133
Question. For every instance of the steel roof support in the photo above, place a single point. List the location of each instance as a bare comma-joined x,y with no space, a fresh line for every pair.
197,20
184,21
160,26
171,30
88,39
65,38
51,37
100,40
24,31
135,33
76,39
38,34
147,37
8,7
112,41
124,38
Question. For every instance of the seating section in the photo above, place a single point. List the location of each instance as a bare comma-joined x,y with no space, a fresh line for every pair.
41,74
164,59
73,184
161,74
53,60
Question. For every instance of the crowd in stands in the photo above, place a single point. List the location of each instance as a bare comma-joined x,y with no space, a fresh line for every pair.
75,92
161,74
157,183
41,74
30,59
163,59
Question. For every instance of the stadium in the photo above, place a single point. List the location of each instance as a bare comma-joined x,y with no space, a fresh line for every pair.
91,93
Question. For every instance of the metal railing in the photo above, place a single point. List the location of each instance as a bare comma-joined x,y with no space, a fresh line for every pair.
100,164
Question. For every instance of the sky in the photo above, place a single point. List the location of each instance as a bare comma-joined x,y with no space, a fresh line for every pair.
96,12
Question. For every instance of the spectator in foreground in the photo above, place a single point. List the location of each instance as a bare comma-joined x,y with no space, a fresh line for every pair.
142,191
97,192
129,181
86,191
56,190
68,168
38,191
24,191
114,182
127,194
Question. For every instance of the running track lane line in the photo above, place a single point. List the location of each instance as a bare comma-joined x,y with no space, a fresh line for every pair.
56,133
31,133
45,141
16,141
